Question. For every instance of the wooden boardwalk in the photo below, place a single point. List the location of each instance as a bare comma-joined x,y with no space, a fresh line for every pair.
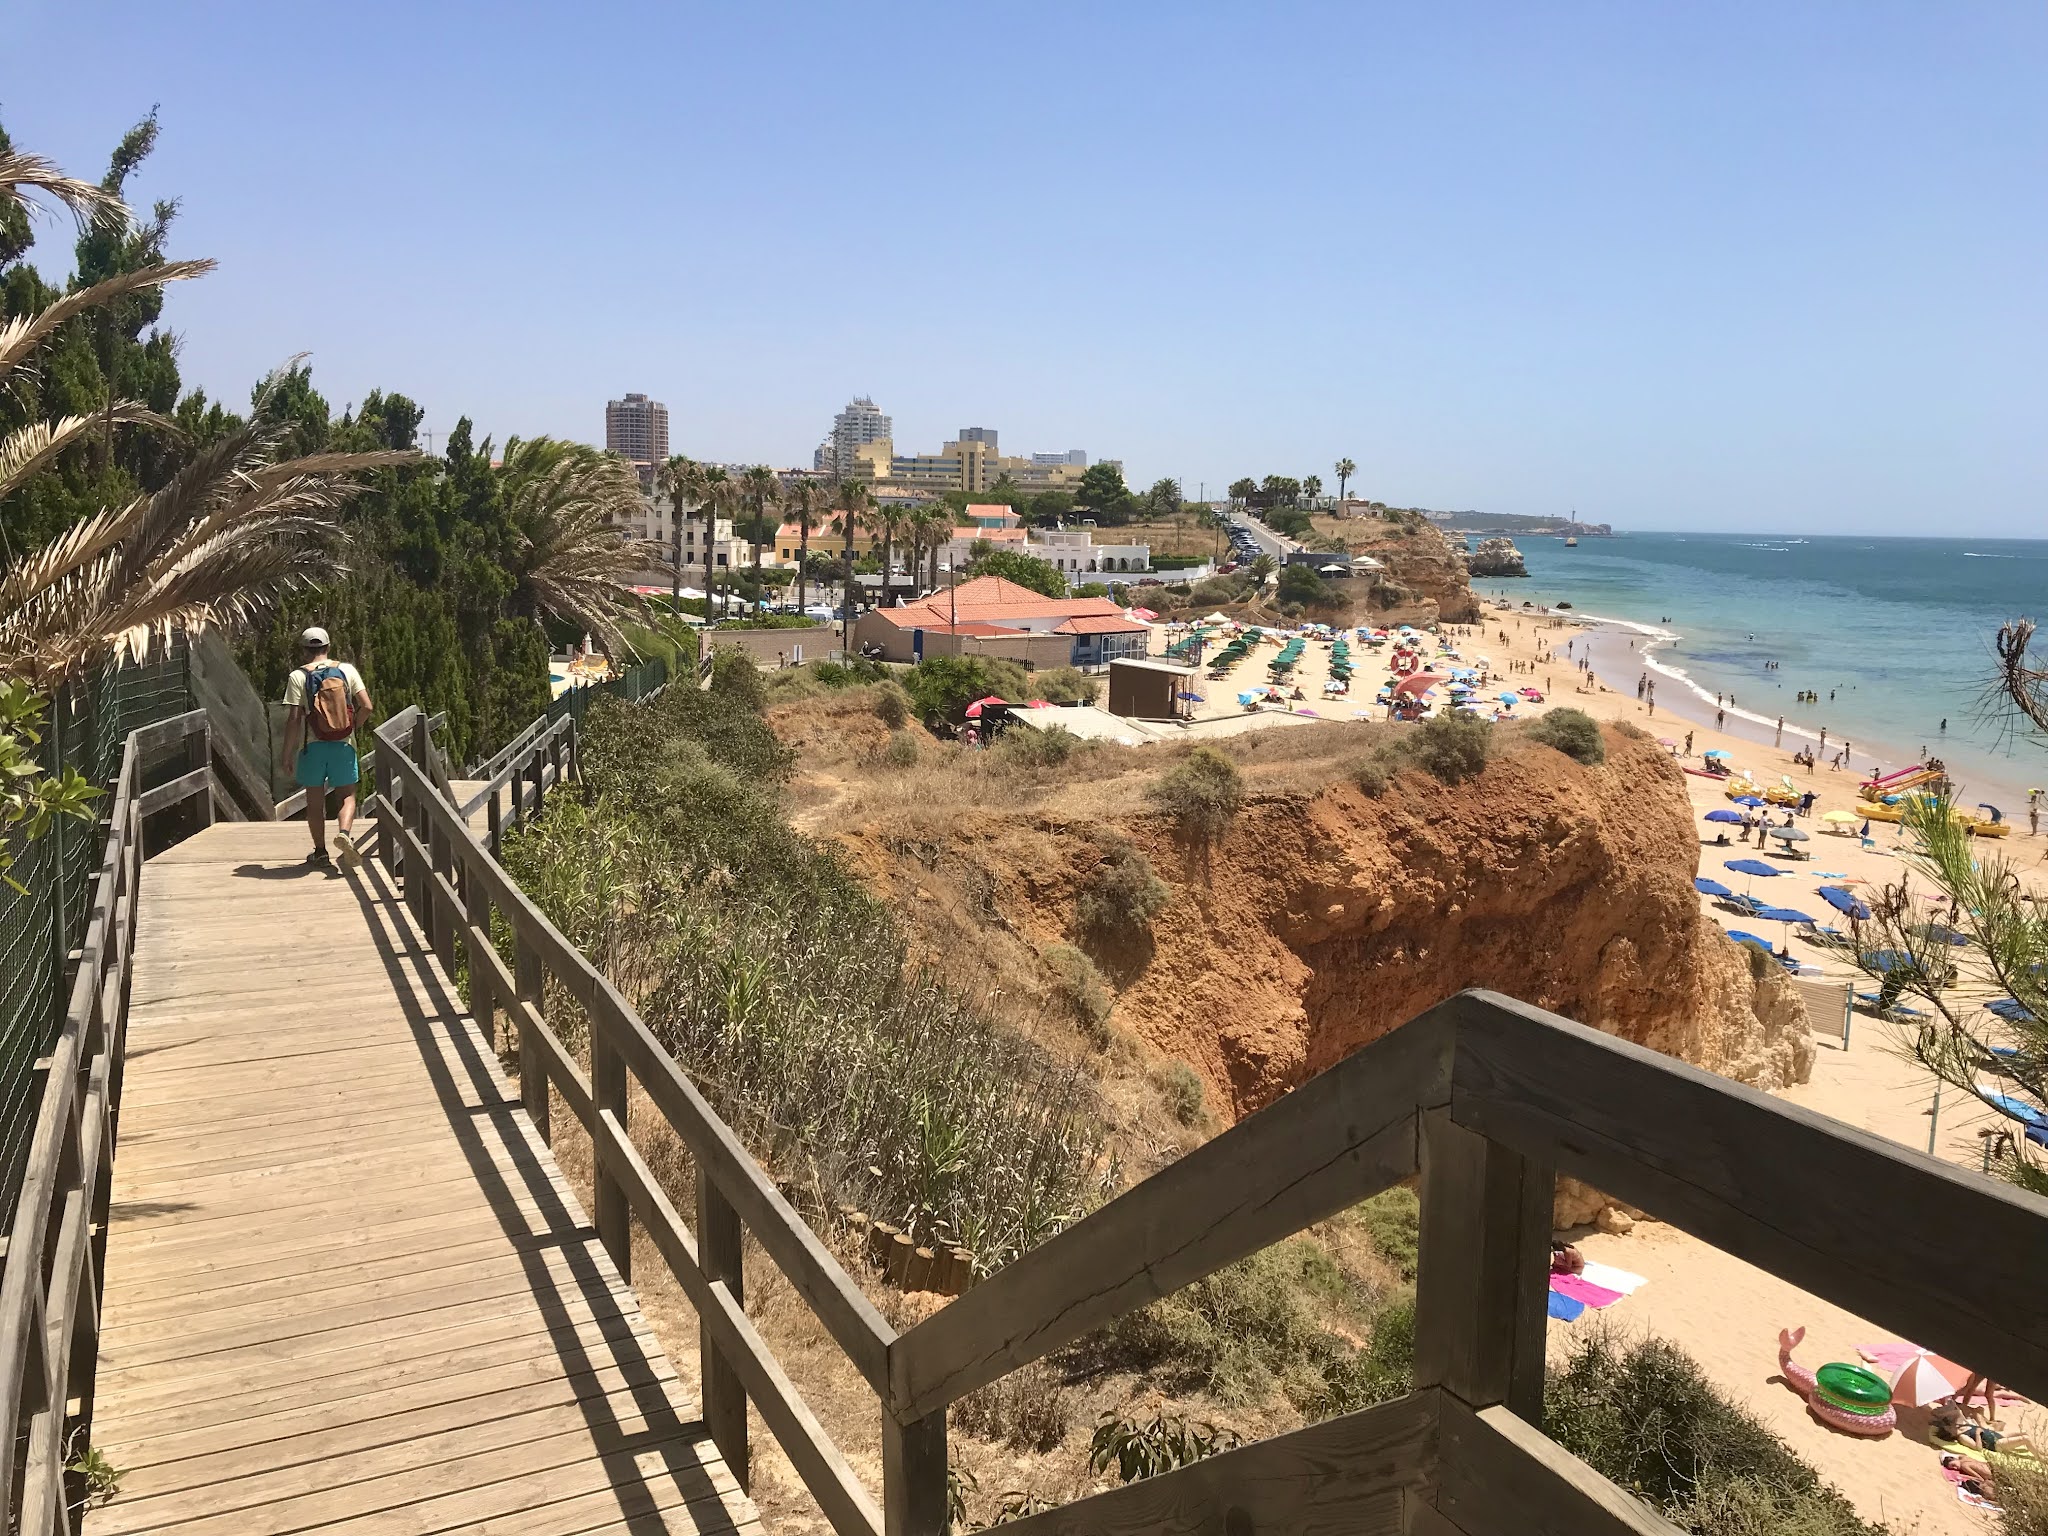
346,1285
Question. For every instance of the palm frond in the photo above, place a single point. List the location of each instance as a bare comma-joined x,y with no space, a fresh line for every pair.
578,564
234,529
24,333
87,202
27,449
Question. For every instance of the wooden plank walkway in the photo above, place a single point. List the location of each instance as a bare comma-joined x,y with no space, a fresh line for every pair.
347,1287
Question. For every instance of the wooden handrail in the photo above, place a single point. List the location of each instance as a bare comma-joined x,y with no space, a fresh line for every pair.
51,1283
294,804
1484,1098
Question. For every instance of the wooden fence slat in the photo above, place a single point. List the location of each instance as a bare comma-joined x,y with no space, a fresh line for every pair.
719,1253
1361,1472
173,791
817,1461
1343,1135
1788,1190
1496,1476
916,1493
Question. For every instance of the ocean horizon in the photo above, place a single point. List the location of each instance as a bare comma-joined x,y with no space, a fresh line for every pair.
1895,634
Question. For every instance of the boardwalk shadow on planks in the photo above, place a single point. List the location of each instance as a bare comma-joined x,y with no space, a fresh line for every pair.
450,1044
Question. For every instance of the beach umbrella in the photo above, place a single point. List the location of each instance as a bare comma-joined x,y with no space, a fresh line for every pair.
1927,1379
1728,816
1752,867
1714,752
1840,818
1750,800
1748,938
1708,887
1843,902
1782,915
1419,682
1885,961
1788,834
974,710
1510,699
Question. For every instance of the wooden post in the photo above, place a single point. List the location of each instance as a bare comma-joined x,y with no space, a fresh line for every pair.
387,836
718,1252
539,789
419,782
198,755
444,919
483,997
491,816
914,1492
1483,1270
527,980
608,1091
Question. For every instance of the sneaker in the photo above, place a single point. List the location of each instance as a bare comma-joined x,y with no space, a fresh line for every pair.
351,857
318,858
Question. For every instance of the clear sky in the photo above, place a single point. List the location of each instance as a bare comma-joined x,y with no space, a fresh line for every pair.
1729,265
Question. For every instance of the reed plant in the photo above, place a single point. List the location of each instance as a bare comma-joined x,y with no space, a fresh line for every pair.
787,992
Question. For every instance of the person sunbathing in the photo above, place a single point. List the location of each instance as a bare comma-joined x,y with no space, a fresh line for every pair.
1947,1423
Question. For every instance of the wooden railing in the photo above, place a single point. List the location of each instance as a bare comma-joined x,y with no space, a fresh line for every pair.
52,1281
293,805
1486,1100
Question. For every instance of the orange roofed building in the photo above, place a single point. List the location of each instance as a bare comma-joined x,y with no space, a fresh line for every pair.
990,616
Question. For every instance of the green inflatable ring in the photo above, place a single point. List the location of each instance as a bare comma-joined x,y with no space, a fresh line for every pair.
1861,1410
1853,1388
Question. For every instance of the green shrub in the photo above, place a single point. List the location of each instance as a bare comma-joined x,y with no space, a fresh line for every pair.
1572,731
902,750
848,674
1120,897
1202,794
1067,685
1375,774
892,704
1077,985
1142,1448
946,685
1379,1373
1644,1415
1023,747
1451,747
1393,1220
1030,1409
1181,1089
1300,584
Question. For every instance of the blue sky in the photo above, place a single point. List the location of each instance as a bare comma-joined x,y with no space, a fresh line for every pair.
1737,266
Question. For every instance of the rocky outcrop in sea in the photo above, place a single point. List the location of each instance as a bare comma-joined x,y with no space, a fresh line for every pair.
1496,557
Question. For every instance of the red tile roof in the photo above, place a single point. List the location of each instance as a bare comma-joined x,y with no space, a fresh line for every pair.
1102,625
992,600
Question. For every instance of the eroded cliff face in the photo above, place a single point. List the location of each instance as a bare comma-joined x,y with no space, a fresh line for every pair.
1422,564
1332,919
1327,918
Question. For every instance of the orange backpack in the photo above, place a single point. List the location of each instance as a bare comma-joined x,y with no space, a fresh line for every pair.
330,712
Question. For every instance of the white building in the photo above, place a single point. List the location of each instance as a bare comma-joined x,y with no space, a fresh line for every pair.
861,423
727,551
1072,551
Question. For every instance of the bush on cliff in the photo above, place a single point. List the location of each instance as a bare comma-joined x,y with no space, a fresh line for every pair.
1572,731
1643,1414
1452,748
1120,897
1202,793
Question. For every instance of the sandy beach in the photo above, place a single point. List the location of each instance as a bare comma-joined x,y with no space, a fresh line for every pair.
1724,1312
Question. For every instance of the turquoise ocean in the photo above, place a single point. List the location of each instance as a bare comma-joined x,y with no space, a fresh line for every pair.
1899,630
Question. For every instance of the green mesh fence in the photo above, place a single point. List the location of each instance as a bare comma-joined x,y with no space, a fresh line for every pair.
87,724
634,683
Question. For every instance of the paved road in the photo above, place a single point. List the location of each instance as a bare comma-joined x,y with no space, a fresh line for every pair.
1274,544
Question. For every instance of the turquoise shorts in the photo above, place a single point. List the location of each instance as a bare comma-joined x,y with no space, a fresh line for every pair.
328,765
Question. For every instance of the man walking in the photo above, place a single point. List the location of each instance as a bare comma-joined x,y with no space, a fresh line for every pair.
328,701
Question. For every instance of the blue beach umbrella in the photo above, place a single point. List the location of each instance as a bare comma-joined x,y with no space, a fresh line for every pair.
1714,752
1752,867
1782,915
1747,938
1730,816
2011,1009
1708,887
1843,902
1749,800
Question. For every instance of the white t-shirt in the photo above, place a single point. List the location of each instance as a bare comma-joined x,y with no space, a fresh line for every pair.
295,685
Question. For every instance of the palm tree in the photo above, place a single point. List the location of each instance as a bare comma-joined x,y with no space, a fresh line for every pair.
852,501
713,492
1345,470
237,528
935,520
1312,487
575,564
763,490
1262,568
809,500
678,480
885,522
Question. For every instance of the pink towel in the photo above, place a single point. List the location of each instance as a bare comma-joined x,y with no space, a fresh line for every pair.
1579,1288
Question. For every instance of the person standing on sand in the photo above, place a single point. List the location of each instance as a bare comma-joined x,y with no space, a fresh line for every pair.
1779,739
327,701
1823,738
1720,718
1688,743
2034,818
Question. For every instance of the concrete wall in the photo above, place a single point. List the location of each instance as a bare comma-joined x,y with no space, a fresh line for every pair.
819,642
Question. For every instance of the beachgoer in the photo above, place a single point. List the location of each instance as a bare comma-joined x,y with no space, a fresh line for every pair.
2033,819
327,701
1944,722
972,738
1720,718
1779,739
1688,743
